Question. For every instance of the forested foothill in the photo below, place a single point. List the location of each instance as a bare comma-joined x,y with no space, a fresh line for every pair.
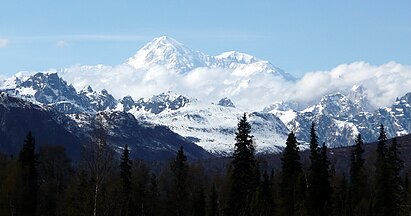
363,179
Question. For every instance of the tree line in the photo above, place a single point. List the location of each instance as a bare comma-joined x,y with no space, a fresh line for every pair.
45,182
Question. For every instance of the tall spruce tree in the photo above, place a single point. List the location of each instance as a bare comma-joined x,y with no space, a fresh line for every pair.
125,174
314,150
179,169
341,200
383,196
291,171
243,175
358,178
29,160
395,165
357,160
319,189
263,203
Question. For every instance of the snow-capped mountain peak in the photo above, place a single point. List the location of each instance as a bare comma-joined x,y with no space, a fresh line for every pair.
165,40
358,95
226,102
337,105
175,56
15,80
167,52
234,56
87,89
156,104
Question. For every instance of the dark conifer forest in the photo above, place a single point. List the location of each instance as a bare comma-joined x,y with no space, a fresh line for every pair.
364,179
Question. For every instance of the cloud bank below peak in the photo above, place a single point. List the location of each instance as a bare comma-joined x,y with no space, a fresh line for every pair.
165,64
383,83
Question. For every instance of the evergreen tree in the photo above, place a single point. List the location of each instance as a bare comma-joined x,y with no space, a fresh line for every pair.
382,200
357,160
213,203
263,204
382,143
291,171
341,198
314,150
243,175
319,189
125,169
54,170
125,174
325,185
179,169
29,160
358,178
395,165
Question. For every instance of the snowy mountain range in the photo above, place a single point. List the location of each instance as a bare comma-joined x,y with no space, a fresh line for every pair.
339,116
175,56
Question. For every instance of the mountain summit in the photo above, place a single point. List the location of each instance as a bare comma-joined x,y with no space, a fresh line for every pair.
173,55
168,52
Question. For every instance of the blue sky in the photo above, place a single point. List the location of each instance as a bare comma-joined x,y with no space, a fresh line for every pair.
297,36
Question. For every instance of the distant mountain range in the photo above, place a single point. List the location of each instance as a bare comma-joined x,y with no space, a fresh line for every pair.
151,142
156,126
177,57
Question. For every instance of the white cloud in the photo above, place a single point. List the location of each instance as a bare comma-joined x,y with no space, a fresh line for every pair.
4,42
206,84
383,83
61,44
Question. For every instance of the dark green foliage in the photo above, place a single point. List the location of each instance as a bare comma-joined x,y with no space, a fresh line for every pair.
313,143
125,174
243,176
389,192
341,197
140,186
358,187
319,189
54,172
383,197
395,166
291,172
77,197
357,160
263,203
382,143
125,170
179,168
29,161
64,188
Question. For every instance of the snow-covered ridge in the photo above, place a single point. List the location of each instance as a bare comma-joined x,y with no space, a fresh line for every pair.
213,126
339,119
168,52
201,80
